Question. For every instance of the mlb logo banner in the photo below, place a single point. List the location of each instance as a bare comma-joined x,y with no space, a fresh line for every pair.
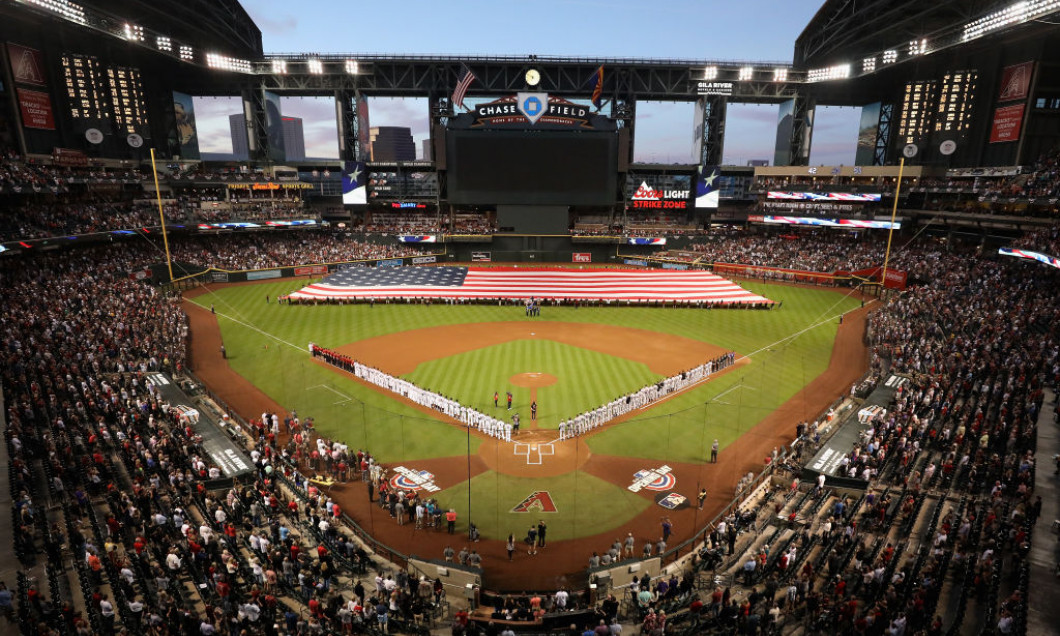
672,501
538,501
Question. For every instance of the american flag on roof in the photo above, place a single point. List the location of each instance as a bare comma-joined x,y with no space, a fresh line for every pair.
631,285
461,87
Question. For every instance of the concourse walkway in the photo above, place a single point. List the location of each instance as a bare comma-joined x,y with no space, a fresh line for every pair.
1043,611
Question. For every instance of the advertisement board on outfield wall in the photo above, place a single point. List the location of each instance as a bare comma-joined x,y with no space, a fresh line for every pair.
311,270
219,277
421,260
634,261
390,262
582,257
480,257
263,274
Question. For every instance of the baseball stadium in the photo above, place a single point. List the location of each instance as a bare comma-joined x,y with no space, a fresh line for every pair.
506,372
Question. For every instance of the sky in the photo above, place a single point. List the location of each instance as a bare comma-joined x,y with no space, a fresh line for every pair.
678,29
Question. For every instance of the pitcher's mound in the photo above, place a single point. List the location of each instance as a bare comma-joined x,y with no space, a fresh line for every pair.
532,380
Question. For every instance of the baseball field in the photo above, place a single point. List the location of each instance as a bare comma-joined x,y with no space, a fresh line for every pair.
621,478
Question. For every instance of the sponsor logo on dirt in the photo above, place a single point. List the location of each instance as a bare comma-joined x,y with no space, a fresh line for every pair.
412,479
660,478
538,501
672,501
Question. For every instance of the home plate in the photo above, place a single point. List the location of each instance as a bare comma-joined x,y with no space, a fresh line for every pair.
534,452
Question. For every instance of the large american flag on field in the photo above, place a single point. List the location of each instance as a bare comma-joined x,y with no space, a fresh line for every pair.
632,285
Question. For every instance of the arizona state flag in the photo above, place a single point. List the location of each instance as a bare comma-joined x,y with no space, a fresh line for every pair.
597,81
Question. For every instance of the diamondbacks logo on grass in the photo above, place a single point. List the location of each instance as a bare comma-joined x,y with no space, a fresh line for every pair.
672,501
660,478
412,479
539,501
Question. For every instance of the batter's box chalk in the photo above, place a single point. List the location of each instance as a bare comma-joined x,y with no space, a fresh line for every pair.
533,452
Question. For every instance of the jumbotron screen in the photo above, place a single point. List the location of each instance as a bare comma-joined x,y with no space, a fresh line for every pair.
532,167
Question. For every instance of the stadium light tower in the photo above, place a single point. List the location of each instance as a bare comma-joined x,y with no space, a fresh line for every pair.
352,67
780,75
868,65
316,67
710,73
133,32
279,67
746,73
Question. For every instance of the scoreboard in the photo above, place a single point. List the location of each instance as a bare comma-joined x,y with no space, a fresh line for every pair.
539,167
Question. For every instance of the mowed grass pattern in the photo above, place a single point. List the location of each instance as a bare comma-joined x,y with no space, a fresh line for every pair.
343,407
584,379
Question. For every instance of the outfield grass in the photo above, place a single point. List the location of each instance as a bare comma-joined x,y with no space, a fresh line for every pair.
683,427
584,379
585,504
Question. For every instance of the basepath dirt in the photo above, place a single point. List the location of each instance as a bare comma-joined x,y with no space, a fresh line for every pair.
561,563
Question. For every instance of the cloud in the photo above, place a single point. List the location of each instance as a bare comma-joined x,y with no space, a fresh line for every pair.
211,120
318,124
269,19
398,111
278,26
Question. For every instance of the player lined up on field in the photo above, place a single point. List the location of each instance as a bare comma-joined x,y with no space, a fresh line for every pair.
585,422
469,417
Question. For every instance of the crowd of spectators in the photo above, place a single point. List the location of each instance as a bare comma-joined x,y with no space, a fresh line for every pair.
250,210
32,219
280,249
1044,240
402,223
89,433
948,516
978,339
815,251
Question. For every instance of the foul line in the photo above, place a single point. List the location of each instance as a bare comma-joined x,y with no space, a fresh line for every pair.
265,333
339,393
748,356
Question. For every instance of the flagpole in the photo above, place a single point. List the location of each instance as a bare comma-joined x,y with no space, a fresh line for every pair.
890,231
158,198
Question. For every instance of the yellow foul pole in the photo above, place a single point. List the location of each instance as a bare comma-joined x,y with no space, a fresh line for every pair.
158,198
890,232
